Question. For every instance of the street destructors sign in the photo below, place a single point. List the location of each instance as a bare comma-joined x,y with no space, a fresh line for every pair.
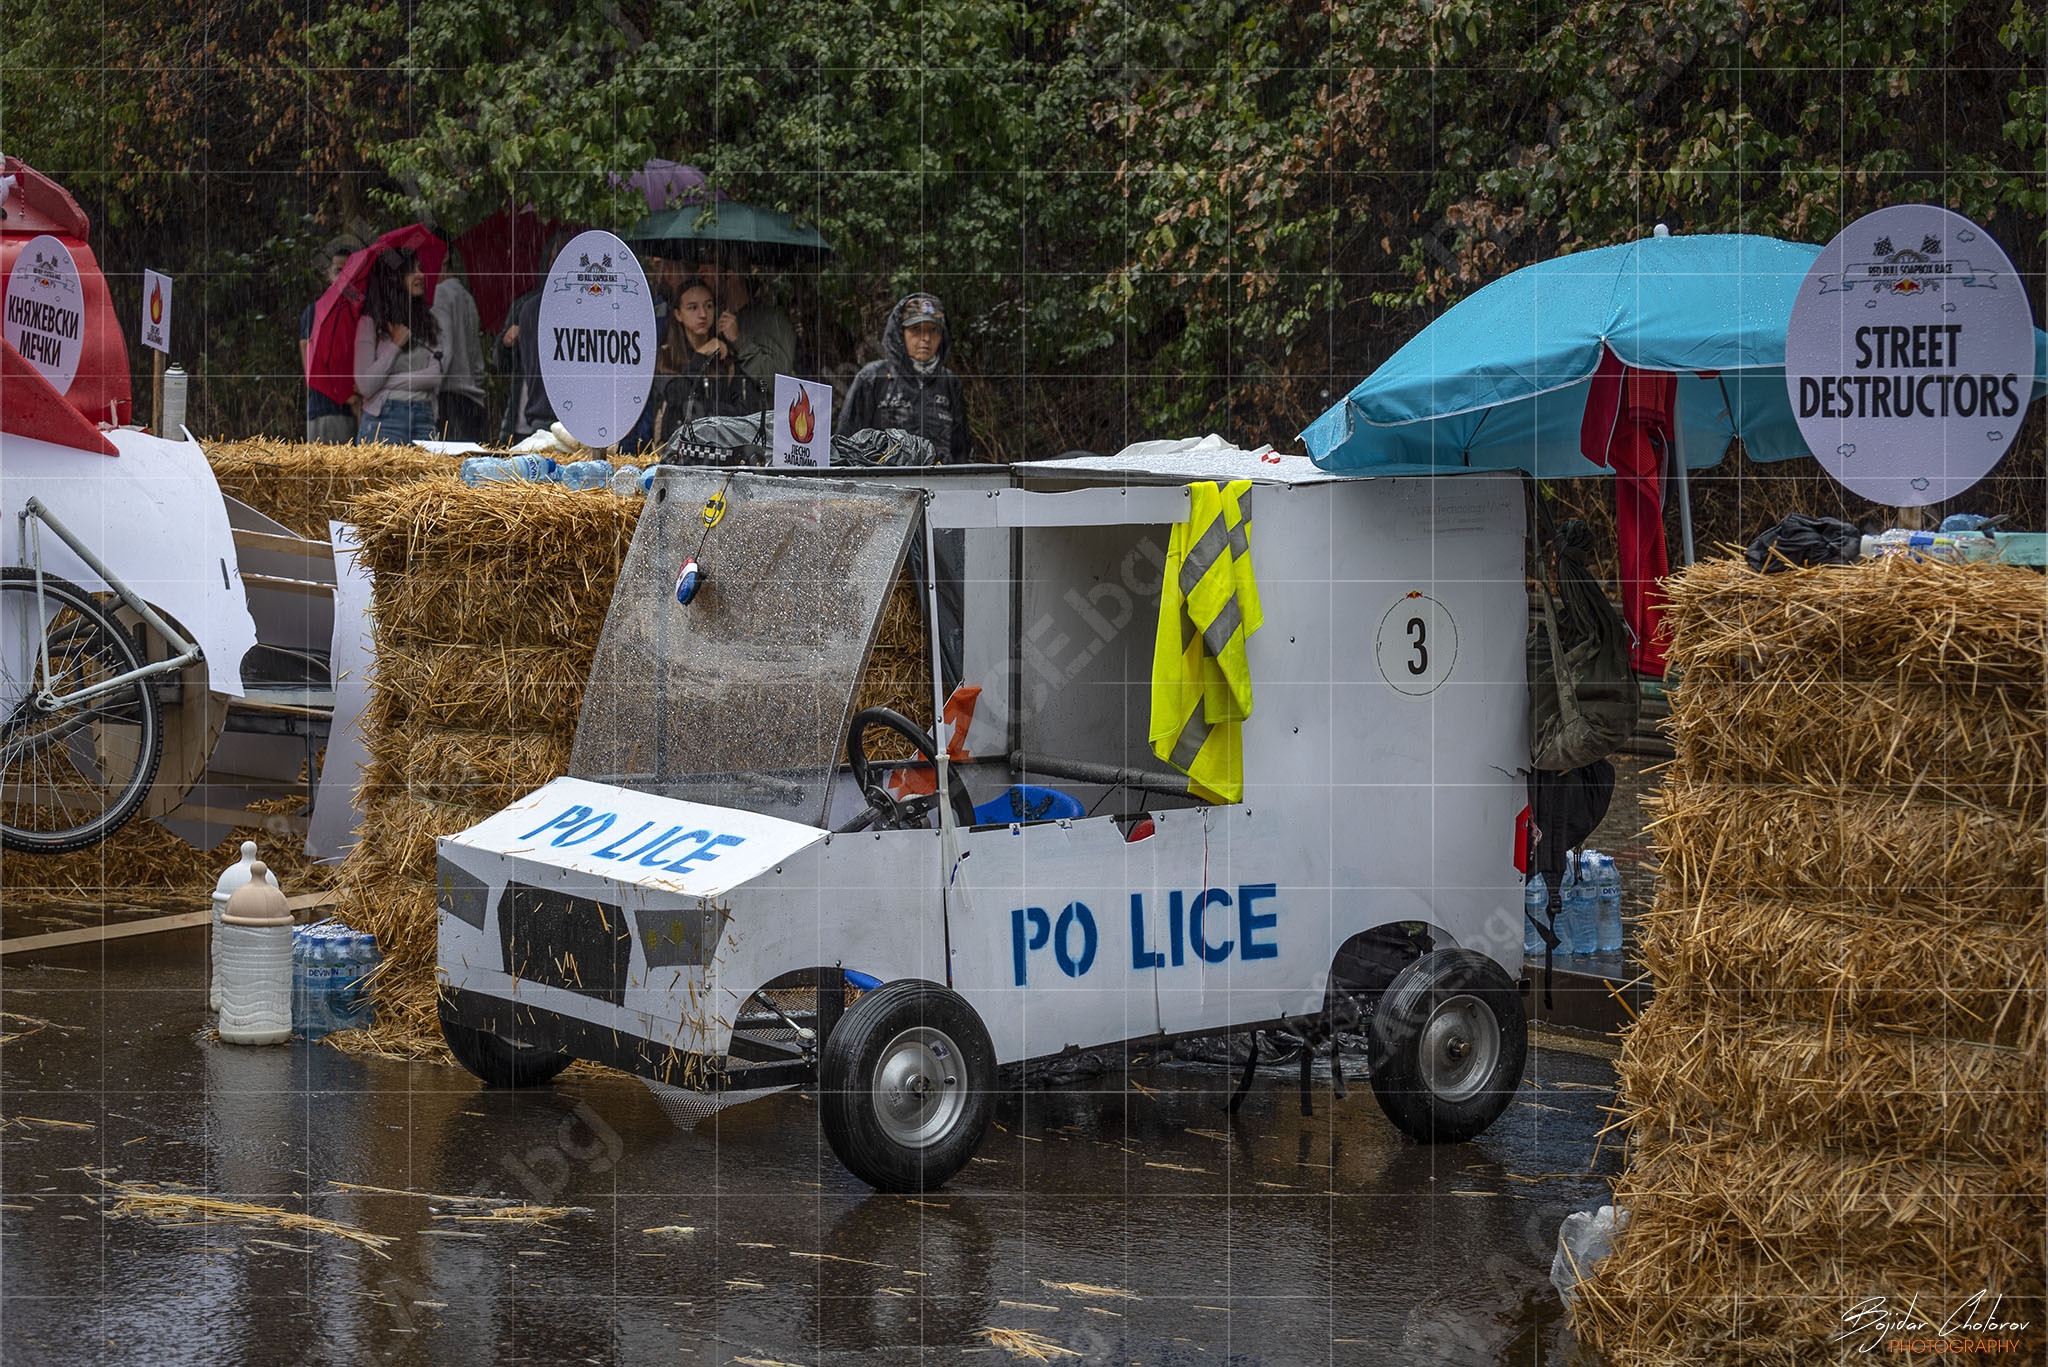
1910,354
46,310
597,339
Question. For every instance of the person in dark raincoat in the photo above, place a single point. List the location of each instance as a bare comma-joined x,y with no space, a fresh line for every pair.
911,388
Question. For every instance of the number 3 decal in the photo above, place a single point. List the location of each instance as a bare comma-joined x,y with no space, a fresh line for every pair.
1417,646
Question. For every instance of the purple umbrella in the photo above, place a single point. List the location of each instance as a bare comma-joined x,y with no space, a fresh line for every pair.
668,184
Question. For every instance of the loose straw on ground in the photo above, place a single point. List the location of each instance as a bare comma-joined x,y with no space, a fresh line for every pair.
167,1205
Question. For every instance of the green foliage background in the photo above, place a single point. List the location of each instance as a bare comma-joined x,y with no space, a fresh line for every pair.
1146,219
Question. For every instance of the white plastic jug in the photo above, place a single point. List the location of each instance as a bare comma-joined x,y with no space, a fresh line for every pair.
233,877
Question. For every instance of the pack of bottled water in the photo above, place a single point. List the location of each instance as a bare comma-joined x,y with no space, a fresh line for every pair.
329,963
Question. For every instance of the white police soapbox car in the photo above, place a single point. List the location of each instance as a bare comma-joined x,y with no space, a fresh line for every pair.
728,896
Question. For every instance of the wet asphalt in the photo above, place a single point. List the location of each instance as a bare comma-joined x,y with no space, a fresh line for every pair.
1272,1238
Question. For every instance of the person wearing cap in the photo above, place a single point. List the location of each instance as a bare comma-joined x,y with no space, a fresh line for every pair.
326,420
911,388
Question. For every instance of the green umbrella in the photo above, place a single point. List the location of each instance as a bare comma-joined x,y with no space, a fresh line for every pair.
697,230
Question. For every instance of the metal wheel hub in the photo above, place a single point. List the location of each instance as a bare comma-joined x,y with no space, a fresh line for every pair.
919,1093
1460,1047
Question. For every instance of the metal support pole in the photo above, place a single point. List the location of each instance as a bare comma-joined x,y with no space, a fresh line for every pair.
1679,478
949,828
187,650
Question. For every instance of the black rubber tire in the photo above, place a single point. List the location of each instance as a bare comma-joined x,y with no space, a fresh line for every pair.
1442,1000
497,1061
869,1037
95,629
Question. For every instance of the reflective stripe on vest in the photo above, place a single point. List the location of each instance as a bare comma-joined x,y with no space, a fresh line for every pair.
1209,603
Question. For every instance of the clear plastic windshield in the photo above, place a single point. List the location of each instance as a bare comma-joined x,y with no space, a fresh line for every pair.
740,698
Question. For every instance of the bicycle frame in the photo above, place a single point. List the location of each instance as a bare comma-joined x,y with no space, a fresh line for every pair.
32,545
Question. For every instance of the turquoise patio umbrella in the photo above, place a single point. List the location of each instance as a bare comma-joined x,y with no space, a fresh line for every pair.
1500,381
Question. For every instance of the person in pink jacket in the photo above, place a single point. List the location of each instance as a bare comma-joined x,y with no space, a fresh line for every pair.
398,355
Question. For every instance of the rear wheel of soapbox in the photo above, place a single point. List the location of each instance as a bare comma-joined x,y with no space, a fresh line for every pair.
1447,1046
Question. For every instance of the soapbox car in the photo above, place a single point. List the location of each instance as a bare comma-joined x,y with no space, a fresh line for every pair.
729,895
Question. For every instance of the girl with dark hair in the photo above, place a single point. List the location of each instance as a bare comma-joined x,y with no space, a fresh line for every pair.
698,372
398,356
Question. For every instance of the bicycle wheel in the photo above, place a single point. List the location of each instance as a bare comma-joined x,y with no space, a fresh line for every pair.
69,776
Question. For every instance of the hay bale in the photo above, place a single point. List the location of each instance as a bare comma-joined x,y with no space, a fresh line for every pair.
1887,848
899,670
1945,972
488,606
502,538
433,604
1743,1252
1985,745
1892,618
1696,1057
511,689
481,770
398,840
304,485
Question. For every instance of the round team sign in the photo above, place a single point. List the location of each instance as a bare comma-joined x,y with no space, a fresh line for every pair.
46,310
1417,646
597,338
1909,359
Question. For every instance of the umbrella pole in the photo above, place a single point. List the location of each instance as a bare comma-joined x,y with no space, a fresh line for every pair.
1684,489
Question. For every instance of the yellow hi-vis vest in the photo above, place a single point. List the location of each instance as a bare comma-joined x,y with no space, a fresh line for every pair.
1208,604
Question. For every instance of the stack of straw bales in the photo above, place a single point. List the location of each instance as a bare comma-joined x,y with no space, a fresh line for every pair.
488,603
1837,1092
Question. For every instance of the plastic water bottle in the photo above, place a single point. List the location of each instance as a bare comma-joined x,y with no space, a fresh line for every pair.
626,481
1535,899
494,469
1607,887
1581,907
587,474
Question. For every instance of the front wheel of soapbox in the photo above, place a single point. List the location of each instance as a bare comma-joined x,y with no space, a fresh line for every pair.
907,1086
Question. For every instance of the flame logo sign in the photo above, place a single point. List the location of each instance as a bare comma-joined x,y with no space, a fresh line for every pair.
803,422
156,304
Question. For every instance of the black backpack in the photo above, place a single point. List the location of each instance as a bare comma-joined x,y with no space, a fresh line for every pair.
1583,697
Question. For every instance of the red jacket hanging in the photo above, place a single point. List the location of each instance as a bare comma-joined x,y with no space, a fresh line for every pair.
1628,428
